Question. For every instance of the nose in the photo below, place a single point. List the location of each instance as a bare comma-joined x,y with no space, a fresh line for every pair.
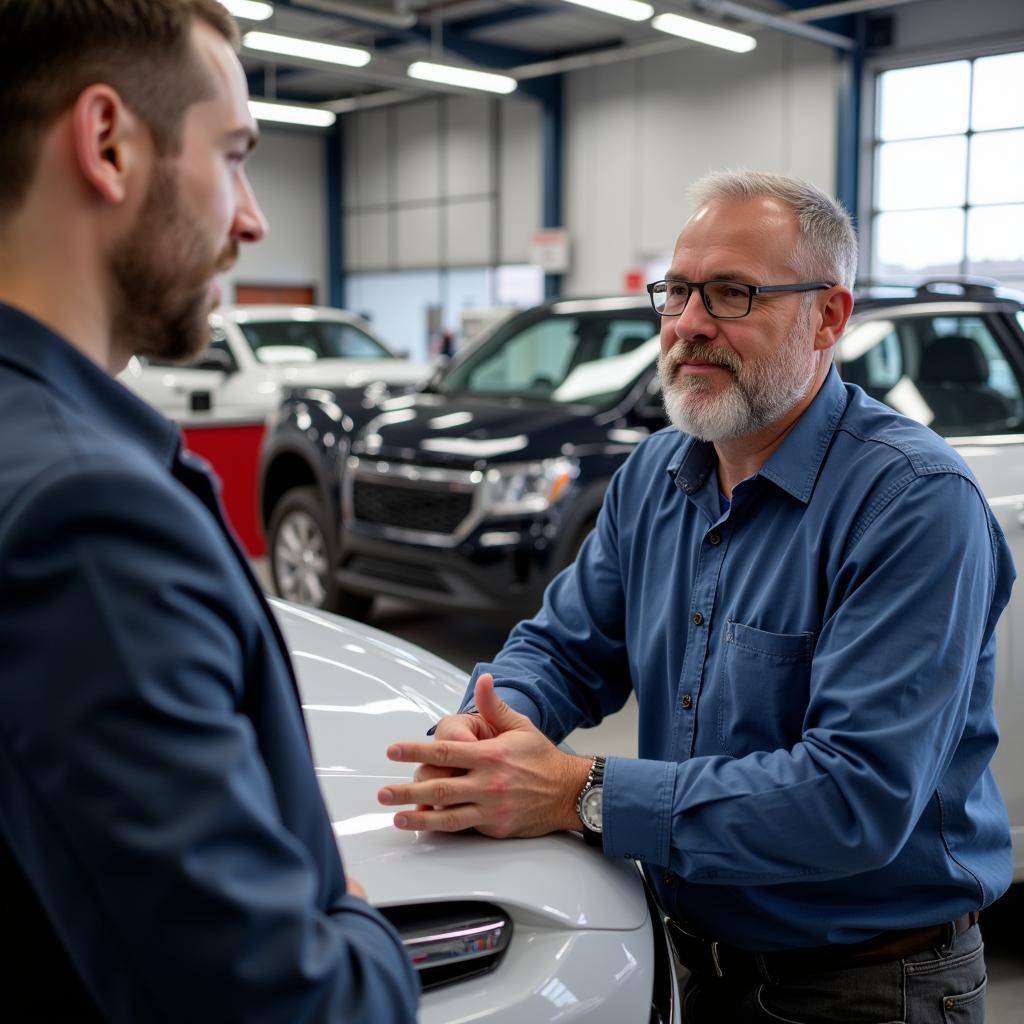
249,224
694,323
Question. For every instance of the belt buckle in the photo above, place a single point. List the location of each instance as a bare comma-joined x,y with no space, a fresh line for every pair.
715,961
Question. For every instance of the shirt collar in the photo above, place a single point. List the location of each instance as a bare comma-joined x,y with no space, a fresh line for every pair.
795,464
37,351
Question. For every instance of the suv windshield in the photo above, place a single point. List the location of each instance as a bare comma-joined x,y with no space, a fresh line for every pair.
305,341
586,357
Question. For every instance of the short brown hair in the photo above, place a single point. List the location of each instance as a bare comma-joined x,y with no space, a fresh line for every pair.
50,50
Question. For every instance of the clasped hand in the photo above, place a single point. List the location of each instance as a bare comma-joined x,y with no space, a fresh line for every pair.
493,771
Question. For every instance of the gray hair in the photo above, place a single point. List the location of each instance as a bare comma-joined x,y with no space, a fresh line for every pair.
827,244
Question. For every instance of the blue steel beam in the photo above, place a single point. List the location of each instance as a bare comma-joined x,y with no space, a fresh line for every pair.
848,119
335,170
552,112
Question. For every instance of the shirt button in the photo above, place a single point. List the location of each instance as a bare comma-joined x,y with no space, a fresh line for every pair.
686,701
697,618
714,538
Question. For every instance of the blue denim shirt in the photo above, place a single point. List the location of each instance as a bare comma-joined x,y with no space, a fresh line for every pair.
814,669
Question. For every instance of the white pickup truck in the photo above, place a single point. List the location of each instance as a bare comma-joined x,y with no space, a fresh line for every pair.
255,351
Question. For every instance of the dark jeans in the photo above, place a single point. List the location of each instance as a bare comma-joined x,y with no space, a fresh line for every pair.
938,986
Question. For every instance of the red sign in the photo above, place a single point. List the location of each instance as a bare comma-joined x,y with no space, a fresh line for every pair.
633,281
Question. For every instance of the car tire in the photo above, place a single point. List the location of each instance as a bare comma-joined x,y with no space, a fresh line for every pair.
301,555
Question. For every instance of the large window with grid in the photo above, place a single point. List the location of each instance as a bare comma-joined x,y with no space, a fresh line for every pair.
948,181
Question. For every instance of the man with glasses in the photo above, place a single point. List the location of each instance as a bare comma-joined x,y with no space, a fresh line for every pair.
802,588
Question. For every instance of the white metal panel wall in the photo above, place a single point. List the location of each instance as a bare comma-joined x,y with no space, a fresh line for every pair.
415,149
367,186
287,172
423,175
638,133
519,178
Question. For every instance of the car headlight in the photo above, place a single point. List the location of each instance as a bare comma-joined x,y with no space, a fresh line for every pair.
524,487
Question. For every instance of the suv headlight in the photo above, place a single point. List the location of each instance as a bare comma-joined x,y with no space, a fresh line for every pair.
523,487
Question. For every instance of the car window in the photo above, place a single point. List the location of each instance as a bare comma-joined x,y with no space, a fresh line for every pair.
945,370
562,358
305,341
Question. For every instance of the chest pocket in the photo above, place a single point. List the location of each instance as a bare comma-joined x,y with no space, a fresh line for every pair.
763,690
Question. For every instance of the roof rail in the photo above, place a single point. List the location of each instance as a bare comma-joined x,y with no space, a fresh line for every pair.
957,285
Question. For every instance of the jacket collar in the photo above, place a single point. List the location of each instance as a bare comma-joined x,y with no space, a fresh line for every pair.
37,351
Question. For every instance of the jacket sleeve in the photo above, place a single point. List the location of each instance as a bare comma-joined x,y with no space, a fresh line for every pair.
134,793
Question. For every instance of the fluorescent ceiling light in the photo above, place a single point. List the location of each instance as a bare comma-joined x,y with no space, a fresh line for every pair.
702,32
448,75
634,10
290,46
250,10
289,113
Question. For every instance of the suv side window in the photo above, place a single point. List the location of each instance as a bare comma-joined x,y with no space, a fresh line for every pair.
946,370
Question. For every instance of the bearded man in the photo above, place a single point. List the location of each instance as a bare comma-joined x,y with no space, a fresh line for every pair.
801,587
164,850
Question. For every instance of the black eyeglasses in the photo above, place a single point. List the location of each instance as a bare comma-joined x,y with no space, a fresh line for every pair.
725,300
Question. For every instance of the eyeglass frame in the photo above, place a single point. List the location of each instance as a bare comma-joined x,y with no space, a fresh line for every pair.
752,290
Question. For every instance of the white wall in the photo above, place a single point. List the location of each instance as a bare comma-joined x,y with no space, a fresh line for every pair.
639,132
288,173
457,182
440,183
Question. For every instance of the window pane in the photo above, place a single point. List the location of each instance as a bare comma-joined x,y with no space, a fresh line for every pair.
913,175
998,92
918,243
997,168
995,242
929,100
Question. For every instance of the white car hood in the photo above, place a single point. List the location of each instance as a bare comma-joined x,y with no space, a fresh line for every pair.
362,690
352,373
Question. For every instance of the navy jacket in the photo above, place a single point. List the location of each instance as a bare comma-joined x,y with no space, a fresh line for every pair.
164,850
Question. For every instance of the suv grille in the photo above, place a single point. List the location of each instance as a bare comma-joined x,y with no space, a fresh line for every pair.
428,509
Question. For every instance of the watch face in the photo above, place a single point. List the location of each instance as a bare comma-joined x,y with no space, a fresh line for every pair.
591,808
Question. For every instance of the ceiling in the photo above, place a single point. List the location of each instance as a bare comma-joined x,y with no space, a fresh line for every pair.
526,39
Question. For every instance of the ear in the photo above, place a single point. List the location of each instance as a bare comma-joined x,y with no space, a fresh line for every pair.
108,141
833,317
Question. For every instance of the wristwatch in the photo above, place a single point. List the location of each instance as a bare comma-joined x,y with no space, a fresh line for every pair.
589,804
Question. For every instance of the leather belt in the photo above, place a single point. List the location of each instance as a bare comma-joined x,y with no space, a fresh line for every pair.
706,956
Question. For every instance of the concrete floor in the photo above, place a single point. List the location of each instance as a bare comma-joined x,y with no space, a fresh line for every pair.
465,641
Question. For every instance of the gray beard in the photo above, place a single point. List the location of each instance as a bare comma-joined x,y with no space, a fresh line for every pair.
760,394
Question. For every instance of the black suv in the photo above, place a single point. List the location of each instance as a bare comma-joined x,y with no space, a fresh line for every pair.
472,492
